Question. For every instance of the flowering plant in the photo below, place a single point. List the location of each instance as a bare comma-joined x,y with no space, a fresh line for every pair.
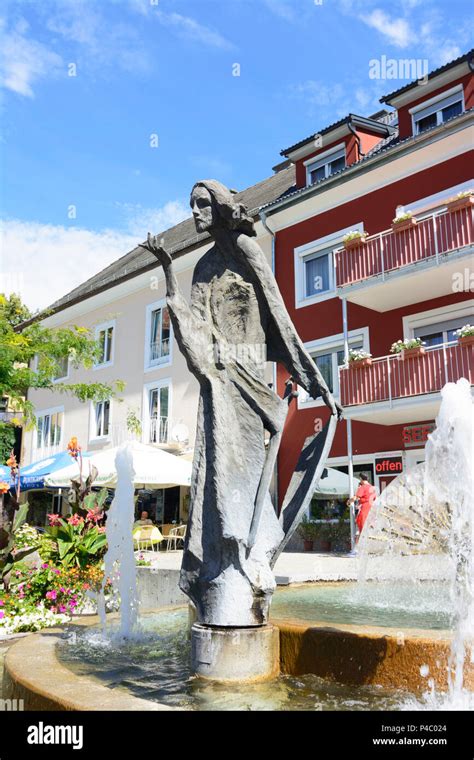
27,536
79,542
356,355
464,331
402,217
354,235
402,345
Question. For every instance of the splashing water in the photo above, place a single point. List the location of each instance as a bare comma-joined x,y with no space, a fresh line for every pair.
119,560
449,479
424,519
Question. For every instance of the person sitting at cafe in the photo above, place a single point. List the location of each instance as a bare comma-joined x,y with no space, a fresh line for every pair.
144,520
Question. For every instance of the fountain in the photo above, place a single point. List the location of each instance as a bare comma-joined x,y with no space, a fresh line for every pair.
407,623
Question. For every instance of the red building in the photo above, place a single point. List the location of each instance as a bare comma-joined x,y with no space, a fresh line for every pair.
413,279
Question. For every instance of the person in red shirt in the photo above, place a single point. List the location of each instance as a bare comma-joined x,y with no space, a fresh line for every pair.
365,497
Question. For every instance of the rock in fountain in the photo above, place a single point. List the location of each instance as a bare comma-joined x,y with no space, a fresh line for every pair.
235,323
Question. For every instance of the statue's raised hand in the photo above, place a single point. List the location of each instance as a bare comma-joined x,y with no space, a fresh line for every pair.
154,244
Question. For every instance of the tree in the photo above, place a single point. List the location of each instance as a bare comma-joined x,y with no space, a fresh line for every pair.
31,357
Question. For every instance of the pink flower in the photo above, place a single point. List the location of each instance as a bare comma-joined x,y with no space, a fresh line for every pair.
54,520
1,602
2,614
56,571
101,530
62,608
62,590
44,566
75,520
54,609
51,594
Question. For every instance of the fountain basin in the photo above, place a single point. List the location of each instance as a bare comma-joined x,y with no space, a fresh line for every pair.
316,658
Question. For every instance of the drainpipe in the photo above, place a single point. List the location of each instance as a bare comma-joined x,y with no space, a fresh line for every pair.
349,427
351,128
263,219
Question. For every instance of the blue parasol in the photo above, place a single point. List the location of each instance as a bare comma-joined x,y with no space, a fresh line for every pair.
33,475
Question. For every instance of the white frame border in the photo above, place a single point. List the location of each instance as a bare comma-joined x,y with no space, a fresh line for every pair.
167,361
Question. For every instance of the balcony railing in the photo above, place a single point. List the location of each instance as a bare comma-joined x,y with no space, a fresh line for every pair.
391,377
44,452
432,236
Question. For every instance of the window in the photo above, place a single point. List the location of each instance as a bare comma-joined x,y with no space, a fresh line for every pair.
49,430
439,332
105,337
158,411
314,267
62,370
437,111
101,419
318,273
158,335
328,355
325,166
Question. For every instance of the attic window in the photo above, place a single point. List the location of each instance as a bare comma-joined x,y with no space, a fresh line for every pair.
324,166
435,112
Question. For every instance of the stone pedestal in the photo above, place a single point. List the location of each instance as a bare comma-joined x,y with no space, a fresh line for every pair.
235,654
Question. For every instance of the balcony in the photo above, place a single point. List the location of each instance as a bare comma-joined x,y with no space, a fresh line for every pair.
394,390
427,256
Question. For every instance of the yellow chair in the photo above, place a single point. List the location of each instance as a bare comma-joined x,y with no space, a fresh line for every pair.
146,535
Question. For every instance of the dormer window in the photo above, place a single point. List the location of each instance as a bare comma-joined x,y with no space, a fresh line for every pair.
434,112
324,165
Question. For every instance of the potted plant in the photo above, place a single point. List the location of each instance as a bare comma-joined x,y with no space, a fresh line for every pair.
461,200
354,239
325,534
408,348
465,335
307,531
403,222
359,358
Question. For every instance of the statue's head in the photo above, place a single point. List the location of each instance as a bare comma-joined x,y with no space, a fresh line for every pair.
213,205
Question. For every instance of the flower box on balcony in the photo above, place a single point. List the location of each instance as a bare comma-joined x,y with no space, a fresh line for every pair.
412,353
456,204
404,224
359,363
466,340
355,242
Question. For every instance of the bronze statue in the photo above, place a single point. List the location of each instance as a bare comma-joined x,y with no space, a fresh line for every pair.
235,322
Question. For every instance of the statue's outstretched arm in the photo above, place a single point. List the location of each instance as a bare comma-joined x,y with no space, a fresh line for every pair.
190,331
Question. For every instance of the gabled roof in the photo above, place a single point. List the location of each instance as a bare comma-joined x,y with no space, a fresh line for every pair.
363,122
383,147
467,57
177,240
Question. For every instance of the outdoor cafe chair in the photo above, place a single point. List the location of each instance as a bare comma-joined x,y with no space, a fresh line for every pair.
146,536
174,536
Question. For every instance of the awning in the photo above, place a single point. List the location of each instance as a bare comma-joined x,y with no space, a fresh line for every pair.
154,468
34,475
334,484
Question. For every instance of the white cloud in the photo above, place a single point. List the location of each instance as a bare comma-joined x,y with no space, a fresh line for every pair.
43,262
23,61
191,29
141,220
281,8
396,30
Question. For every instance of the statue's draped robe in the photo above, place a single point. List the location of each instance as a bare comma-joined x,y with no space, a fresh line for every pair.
236,312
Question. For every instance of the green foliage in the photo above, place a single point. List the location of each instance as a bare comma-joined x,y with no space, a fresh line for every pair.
31,356
9,554
307,529
134,424
7,440
27,537
78,543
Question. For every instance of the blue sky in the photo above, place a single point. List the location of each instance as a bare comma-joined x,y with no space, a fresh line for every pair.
165,68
